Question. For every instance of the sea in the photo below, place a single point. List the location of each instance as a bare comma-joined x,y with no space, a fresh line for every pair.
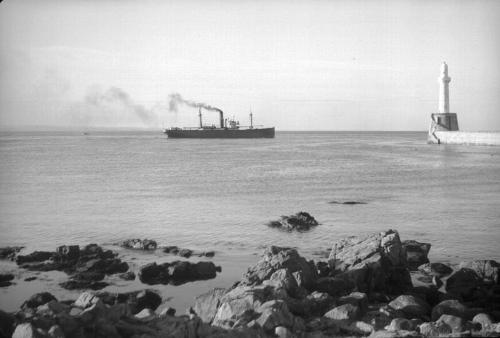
70,187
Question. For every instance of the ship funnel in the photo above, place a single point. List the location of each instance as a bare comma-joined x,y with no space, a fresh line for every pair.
221,118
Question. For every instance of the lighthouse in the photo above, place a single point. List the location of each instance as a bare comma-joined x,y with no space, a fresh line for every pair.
444,90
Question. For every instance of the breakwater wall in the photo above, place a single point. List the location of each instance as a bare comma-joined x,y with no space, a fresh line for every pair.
466,138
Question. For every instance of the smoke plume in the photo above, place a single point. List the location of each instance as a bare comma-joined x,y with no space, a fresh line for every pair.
176,99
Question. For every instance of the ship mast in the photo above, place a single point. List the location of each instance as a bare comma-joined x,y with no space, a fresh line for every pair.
251,119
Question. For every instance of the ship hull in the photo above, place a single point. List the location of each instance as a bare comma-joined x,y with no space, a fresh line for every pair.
221,133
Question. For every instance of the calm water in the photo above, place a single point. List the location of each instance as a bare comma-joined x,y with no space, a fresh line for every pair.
68,188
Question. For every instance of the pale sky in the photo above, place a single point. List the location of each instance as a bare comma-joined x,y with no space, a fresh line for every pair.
298,65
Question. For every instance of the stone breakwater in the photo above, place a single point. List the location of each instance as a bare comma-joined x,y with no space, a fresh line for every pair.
377,286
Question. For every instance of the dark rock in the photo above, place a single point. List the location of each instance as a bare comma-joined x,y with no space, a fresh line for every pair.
171,249
275,258
140,244
207,254
206,305
186,253
129,275
88,276
10,252
323,269
487,270
38,299
412,307
416,253
37,256
77,284
68,252
301,221
108,266
29,279
463,283
146,299
335,287
449,307
177,272
436,269
5,279
376,263
7,322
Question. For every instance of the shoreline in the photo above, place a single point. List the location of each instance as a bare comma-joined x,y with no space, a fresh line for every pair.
331,279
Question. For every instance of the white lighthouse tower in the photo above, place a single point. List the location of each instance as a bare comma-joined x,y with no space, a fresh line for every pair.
443,120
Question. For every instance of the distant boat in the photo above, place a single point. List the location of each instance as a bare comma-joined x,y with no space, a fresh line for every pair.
86,133
229,128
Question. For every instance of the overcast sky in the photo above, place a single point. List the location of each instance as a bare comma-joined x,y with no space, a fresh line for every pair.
299,65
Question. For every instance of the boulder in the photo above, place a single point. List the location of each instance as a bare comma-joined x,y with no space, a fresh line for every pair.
434,329
282,278
463,283
140,244
206,305
25,330
416,253
483,319
37,256
68,253
10,252
376,263
487,270
412,307
449,307
38,299
344,312
172,249
186,253
436,269
145,299
177,272
301,221
398,324
108,266
275,258
274,313
319,303
355,298
455,323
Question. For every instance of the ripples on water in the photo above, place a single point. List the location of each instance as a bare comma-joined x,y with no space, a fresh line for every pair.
69,188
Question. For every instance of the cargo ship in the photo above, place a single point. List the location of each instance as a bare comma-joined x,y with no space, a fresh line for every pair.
229,128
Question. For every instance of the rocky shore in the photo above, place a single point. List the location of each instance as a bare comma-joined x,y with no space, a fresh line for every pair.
376,286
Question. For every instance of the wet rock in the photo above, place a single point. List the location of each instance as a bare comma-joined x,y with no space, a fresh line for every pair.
207,254
140,244
463,283
38,299
108,266
171,249
412,307
37,256
77,284
344,312
129,275
206,305
5,279
68,253
487,270
449,307
186,253
10,252
29,279
376,263
177,272
275,258
416,253
301,221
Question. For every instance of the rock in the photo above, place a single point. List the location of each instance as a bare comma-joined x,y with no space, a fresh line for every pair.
86,299
177,272
275,258
274,313
484,319
168,311
78,284
146,299
335,287
344,312
68,252
355,298
395,334
356,327
412,307
463,283
436,269
206,305
129,275
37,256
29,279
25,330
319,303
56,332
434,329
398,324
6,324
38,299
283,332
416,253
376,263
5,279
282,278
108,266
301,221
377,319
456,324
437,282
449,307
145,315
487,270
186,253
207,254
347,202
139,244
171,249
10,252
